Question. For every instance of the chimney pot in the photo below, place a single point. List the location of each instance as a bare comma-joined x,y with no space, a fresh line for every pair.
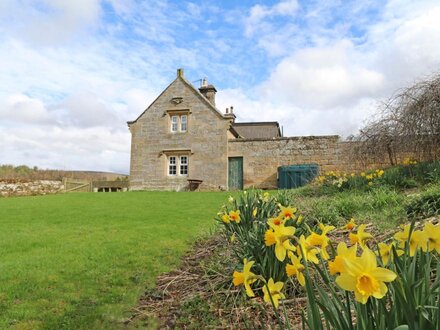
180,72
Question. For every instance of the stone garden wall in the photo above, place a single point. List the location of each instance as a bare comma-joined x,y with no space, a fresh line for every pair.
262,157
39,187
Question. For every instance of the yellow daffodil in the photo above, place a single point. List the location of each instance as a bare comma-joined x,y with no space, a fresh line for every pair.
417,239
364,278
433,234
225,218
385,252
321,240
274,292
235,216
287,212
280,236
295,269
337,266
350,225
269,237
300,219
232,238
273,222
246,277
266,197
231,199
307,251
254,212
360,237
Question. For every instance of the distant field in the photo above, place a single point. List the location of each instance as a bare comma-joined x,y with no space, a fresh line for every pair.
80,261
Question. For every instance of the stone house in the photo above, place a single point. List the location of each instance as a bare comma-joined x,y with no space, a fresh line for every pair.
182,140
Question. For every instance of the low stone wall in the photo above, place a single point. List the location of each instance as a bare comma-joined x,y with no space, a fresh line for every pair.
40,187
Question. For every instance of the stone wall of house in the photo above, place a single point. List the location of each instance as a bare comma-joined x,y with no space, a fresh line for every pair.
39,187
262,157
205,142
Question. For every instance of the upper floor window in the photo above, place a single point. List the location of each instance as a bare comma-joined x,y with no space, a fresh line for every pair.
183,123
174,123
178,120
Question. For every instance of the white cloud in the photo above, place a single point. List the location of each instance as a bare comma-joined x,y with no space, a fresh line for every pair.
66,148
22,109
255,20
322,78
51,21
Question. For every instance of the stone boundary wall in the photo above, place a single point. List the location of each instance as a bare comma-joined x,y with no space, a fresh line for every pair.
39,187
262,157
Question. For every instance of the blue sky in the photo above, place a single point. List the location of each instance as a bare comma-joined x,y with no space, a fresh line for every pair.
73,72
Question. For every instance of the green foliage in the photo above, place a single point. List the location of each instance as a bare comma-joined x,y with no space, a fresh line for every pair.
374,205
426,204
80,261
249,234
412,175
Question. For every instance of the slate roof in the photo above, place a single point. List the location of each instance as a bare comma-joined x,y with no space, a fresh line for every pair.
258,130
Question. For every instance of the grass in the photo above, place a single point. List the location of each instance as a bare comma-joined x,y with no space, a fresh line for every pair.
383,206
81,261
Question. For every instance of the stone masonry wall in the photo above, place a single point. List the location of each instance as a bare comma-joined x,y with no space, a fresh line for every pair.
40,187
206,139
261,157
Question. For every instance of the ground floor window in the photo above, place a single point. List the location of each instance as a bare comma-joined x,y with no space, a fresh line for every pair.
178,165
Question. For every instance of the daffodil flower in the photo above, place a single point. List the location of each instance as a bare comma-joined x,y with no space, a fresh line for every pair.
273,222
320,240
433,234
225,218
295,269
246,277
385,252
287,212
280,235
364,278
360,237
416,239
350,225
274,292
235,216
307,251
337,266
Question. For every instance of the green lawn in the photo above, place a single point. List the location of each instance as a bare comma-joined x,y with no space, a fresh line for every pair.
80,261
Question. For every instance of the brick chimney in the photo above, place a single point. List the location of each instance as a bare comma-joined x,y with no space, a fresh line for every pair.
208,91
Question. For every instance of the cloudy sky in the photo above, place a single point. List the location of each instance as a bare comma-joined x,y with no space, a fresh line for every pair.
73,72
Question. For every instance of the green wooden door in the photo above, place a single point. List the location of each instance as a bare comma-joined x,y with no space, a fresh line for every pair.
235,173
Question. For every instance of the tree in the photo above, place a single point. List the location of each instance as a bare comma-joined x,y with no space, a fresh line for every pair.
407,124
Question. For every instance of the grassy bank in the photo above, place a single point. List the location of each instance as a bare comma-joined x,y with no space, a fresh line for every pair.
80,261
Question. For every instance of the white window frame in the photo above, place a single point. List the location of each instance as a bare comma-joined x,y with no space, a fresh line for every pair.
183,123
174,123
172,165
177,165
183,165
